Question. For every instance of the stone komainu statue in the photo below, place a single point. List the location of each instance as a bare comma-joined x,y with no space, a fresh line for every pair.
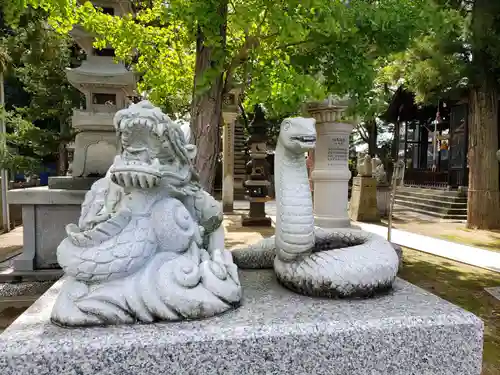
149,244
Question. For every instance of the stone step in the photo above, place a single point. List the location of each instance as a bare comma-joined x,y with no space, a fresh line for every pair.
402,209
433,201
439,212
425,193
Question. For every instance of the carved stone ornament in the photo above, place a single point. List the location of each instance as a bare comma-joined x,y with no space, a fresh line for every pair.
378,171
149,244
311,260
364,166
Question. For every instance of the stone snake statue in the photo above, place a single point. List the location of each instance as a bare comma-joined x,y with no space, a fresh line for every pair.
149,244
307,259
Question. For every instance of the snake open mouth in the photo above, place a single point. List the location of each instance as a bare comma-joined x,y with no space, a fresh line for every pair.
305,138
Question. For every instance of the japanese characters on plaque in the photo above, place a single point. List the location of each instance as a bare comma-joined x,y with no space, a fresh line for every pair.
338,150
228,145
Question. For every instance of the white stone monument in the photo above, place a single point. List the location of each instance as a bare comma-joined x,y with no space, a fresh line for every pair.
230,114
331,173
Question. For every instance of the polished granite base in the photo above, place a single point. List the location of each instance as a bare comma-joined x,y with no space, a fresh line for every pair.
275,331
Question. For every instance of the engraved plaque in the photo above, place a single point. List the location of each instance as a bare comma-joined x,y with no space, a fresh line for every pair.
228,151
338,151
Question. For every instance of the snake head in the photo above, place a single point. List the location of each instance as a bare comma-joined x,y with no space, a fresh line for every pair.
298,134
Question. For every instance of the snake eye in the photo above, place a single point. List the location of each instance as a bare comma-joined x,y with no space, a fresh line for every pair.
286,126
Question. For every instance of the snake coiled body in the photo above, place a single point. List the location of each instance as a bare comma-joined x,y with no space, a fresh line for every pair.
310,260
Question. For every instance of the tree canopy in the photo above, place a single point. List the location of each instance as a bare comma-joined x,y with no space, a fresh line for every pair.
39,99
283,52
459,59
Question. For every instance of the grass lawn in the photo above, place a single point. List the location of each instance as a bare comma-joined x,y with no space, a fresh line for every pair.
492,243
464,286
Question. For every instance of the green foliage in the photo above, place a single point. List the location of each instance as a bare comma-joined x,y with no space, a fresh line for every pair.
26,143
41,56
284,52
432,65
440,63
5,58
38,57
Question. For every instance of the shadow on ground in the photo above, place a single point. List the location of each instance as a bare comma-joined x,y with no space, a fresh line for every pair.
239,236
9,314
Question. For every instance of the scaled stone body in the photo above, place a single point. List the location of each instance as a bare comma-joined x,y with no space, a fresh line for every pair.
149,244
308,259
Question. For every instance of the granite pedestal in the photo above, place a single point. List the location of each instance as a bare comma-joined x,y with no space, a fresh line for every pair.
46,212
275,331
71,183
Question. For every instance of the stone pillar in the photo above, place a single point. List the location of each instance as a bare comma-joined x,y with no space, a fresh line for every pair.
331,173
228,161
383,199
364,200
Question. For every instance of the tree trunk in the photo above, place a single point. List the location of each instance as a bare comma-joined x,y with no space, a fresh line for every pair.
484,188
484,194
394,150
371,127
206,109
62,159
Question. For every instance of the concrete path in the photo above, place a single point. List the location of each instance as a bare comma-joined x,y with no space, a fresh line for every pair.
11,243
473,256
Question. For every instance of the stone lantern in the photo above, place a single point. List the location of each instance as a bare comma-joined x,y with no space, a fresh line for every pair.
257,175
331,172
